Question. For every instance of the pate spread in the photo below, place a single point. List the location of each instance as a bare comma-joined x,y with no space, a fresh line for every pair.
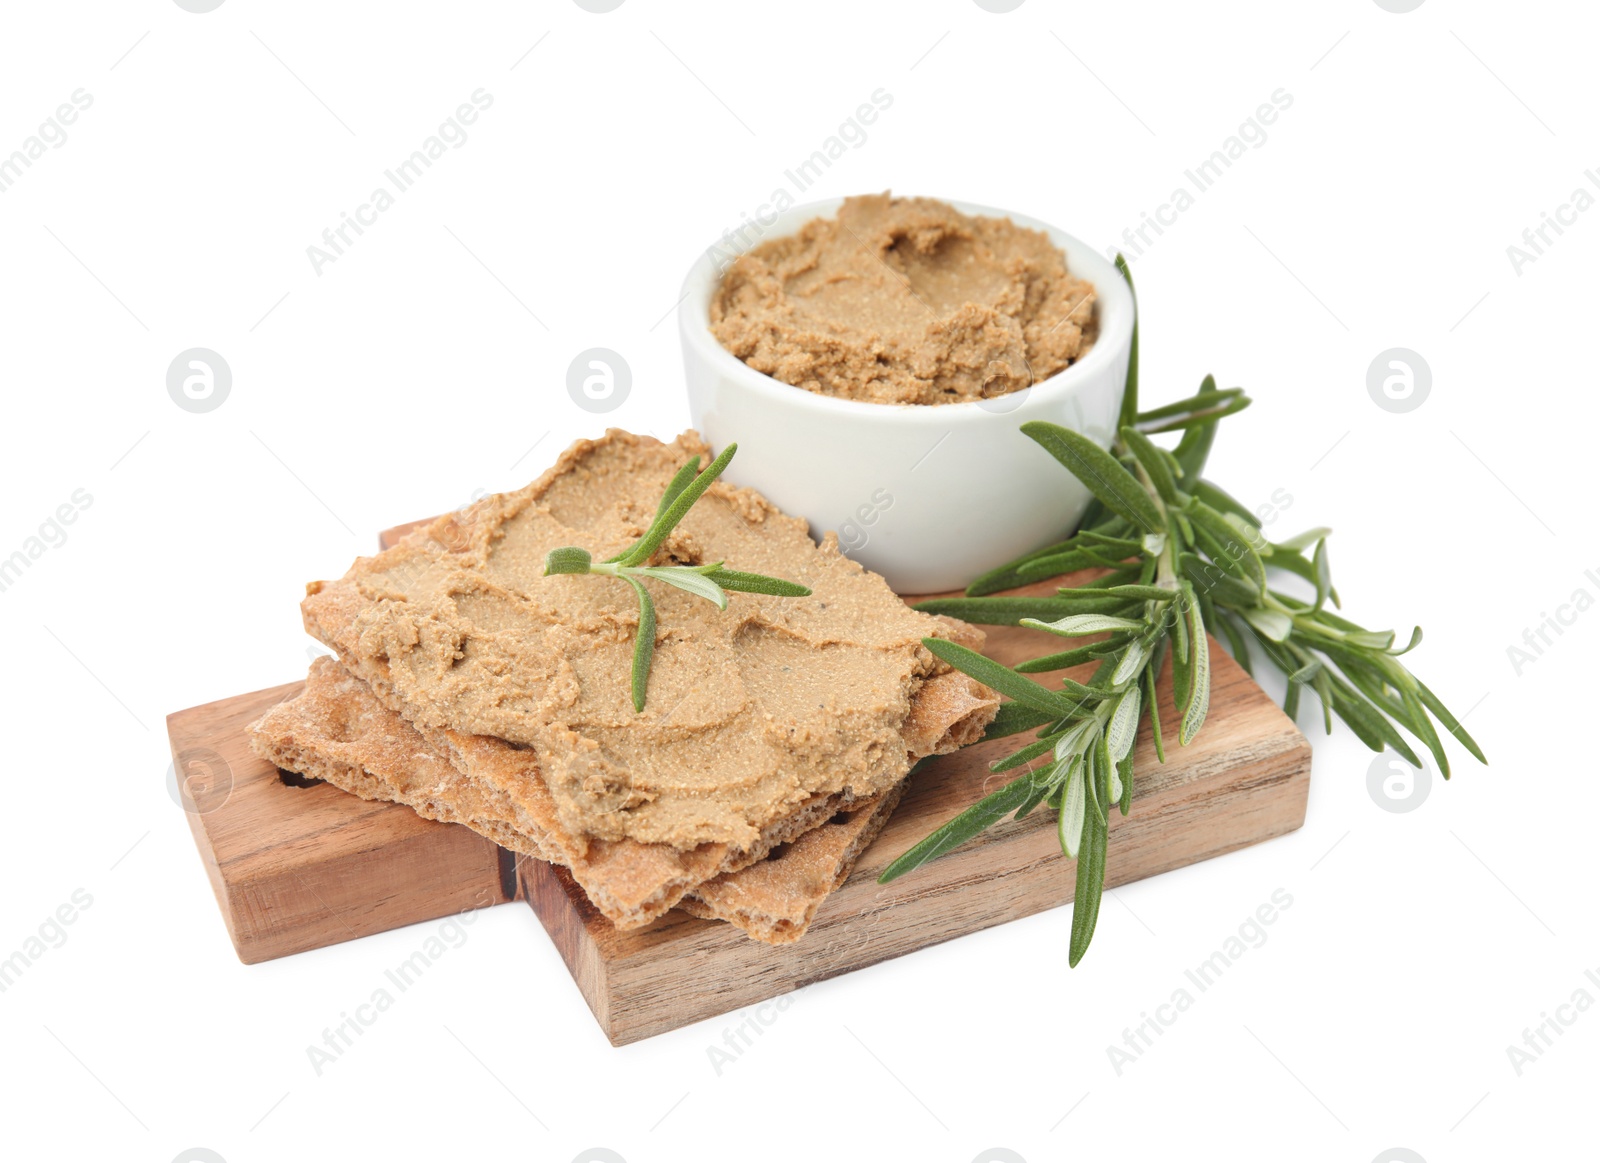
752,711
905,301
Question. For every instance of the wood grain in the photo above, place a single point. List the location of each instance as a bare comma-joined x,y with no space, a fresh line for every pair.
297,868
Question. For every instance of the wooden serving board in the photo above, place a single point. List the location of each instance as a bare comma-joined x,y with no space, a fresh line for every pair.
301,867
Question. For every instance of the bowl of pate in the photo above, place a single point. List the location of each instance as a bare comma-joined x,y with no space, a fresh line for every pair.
875,358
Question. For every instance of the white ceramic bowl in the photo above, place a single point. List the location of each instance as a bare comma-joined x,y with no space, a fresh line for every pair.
928,496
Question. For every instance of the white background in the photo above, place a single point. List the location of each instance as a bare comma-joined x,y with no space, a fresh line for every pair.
425,363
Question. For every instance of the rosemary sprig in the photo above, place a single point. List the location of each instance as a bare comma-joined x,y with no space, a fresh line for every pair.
706,581
1184,559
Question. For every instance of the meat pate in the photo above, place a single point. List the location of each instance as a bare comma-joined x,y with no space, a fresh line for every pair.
905,301
752,711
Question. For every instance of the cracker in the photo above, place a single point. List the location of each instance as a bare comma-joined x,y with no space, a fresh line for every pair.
753,712
336,731
776,899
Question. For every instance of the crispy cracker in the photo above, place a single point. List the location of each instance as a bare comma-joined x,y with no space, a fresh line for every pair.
950,711
337,732
456,629
775,900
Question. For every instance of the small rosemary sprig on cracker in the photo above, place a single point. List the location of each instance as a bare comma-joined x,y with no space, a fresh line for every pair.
706,581
1183,559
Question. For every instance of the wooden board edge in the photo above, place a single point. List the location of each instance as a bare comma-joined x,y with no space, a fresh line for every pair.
251,893
562,909
177,738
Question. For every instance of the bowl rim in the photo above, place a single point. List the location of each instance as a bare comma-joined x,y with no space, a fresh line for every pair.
1114,306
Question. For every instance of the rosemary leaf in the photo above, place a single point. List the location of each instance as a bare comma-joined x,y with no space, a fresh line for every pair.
644,644
1194,450
1208,396
1229,624
1231,543
670,514
987,811
1083,694
688,580
1123,726
1307,672
1272,624
1015,718
1101,473
567,559
1308,538
1032,569
1225,588
1061,661
1076,738
756,583
1099,784
1133,661
1178,632
1000,678
1050,550
1155,713
1222,501
1120,547
1194,714
1123,575
1153,461
1422,727
1295,562
1144,593
1010,611
1352,707
1182,670
1077,625
1089,888
1209,415
1069,826
1416,640
1448,721
1323,685
679,482
1130,383
1042,788
1023,755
